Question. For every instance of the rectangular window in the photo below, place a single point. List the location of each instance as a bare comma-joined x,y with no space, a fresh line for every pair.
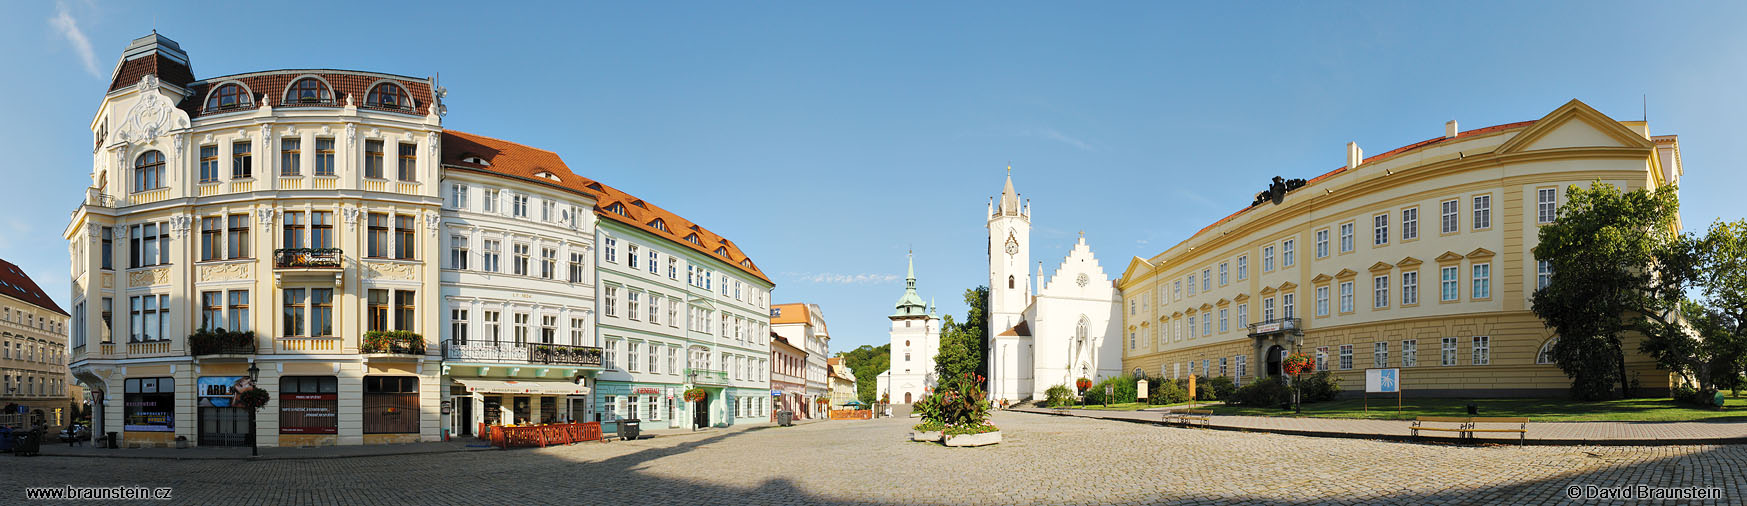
578,332
576,270
1242,362
1346,238
309,405
1206,279
1243,316
209,164
1449,351
1482,350
151,244
289,156
548,262
293,230
1447,289
241,161
324,157
1380,354
1322,243
1223,320
1177,289
1243,267
373,159
1191,327
672,268
612,301
1224,274
458,326
237,243
520,330
1543,274
493,253
1322,301
376,235
391,405
458,196
1482,212
1546,205
519,206
655,308
1482,281
403,237
1410,223
611,250
376,310
404,305
1410,353
519,259
321,311
294,314
1380,230
1287,305
108,247
1346,296
1267,259
1380,292
1288,252
655,268
149,405
1268,309
632,355
1346,356
1409,288
632,307
489,202
211,310
1448,220
239,310
1207,323
321,229
457,252
211,238
409,157
1191,284
1322,358
547,208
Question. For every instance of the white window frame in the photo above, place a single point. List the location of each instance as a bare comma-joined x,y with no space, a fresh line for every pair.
1482,280
1410,353
1346,296
1322,243
1380,354
1347,237
1322,301
1482,212
1380,292
1409,288
1380,230
1482,351
1449,212
1410,223
1447,357
1449,286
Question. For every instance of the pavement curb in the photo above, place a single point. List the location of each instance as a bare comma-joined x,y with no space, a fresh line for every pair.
1419,440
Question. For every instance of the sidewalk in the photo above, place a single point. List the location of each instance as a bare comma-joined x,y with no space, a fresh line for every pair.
1539,433
454,445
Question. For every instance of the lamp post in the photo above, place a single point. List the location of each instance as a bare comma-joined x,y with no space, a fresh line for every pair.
254,446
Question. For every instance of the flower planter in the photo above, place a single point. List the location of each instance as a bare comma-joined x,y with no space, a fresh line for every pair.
984,439
929,436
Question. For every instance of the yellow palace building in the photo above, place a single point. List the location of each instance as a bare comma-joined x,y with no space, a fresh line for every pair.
1419,258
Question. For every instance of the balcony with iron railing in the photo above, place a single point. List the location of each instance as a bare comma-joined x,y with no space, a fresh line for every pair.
707,377
307,258
484,351
220,342
1292,326
564,354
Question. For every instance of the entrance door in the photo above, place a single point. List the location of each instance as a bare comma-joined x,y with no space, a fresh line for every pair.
1274,360
224,427
906,397
464,411
701,417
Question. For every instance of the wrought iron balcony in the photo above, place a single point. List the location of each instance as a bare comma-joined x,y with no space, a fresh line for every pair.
221,342
307,258
484,351
564,354
1292,326
707,377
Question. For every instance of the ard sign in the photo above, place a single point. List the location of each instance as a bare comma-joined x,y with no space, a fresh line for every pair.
1382,381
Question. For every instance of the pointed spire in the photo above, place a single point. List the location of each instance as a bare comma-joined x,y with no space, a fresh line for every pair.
1009,198
910,274
910,304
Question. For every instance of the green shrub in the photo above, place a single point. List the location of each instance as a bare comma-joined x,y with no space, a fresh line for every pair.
1124,391
1058,396
1264,392
1221,387
929,426
966,430
1322,386
1166,392
1688,395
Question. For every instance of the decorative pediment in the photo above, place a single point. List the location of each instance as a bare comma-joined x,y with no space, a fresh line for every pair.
1136,267
1268,290
1241,298
1288,286
1381,267
1574,125
1479,253
1162,318
1222,303
1205,306
1345,274
1321,278
1178,314
1408,262
1448,256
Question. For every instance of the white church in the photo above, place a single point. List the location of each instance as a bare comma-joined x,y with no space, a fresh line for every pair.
915,336
1065,328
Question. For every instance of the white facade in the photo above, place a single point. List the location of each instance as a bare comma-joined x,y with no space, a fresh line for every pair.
1070,329
915,336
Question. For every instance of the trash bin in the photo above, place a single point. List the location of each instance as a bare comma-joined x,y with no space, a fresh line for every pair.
111,440
5,439
785,418
27,443
629,428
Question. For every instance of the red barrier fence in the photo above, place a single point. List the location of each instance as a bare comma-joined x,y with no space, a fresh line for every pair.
545,435
852,414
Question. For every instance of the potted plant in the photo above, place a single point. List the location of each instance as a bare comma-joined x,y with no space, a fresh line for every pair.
1297,365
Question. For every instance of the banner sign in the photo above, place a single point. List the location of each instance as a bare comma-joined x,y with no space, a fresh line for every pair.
219,391
1382,380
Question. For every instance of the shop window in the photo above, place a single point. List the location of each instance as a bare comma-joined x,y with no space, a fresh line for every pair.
149,404
391,405
309,405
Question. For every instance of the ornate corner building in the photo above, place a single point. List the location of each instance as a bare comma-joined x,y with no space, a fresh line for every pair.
1419,259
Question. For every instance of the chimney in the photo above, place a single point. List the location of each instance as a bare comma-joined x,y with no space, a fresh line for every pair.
1354,155
1450,129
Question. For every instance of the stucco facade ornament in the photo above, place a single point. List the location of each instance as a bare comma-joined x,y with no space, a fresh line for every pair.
149,277
373,133
389,270
93,230
266,135
226,272
150,115
433,222
291,130
431,140
206,139
178,141
325,129
265,215
179,224
351,133
350,214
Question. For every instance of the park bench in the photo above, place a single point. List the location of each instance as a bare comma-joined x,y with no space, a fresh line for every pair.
1189,416
1466,426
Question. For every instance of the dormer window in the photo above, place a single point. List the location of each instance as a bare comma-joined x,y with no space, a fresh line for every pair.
309,90
693,238
387,96
596,187
548,175
617,208
475,159
229,96
722,251
658,225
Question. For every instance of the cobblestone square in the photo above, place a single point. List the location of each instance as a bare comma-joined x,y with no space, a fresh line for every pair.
1043,460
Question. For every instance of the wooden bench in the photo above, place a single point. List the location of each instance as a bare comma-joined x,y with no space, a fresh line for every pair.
1466,426
1189,416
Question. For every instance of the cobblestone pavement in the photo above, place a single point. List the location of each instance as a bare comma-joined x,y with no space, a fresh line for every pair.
1043,460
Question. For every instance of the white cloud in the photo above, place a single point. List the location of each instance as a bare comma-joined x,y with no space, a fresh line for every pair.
849,279
1055,135
64,23
1140,241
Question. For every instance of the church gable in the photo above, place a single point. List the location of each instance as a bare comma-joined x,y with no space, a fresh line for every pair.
1079,275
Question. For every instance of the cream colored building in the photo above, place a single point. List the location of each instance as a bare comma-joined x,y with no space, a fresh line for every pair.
299,205
1418,258
33,350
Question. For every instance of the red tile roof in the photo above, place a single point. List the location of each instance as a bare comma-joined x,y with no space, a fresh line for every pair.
168,70
523,161
794,312
273,83
15,283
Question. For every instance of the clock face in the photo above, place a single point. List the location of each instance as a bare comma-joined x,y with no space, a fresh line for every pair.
1012,246
1083,279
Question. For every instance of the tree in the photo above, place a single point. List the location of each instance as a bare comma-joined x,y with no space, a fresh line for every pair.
1606,250
1706,345
867,362
964,346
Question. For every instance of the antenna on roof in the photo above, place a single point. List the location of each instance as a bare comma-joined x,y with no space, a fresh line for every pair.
1646,107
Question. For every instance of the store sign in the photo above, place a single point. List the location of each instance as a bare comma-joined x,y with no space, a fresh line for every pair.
309,413
1263,328
646,391
776,393
220,391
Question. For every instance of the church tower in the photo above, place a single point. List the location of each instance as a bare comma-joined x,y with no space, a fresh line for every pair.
1009,256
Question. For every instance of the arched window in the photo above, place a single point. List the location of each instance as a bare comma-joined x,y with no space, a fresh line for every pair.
1080,329
148,171
1546,354
308,90
1009,281
387,96
229,96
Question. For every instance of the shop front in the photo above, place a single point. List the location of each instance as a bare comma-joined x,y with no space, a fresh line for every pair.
654,405
479,403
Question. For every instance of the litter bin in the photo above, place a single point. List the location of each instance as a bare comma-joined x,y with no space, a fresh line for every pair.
629,428
111,440
27,443
5,439
785,418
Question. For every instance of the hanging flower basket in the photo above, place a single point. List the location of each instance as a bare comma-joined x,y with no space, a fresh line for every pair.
253,398
1298,363
1082,384
695,395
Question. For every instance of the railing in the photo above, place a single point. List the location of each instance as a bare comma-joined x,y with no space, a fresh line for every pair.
106,349
147,348
544,435
540,353
375,185
290,182
307,344
707,377
211,188
325,182
149,196
1276,325
77,354
221,343
242,185
96,198
307,258
406,188
485,351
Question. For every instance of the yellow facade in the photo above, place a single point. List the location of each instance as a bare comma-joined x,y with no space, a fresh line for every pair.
1440,233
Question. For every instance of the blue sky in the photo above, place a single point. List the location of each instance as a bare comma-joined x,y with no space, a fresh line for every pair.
827,138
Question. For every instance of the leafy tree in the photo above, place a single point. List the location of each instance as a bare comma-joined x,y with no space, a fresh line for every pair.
1707,345
1606,250
964,346
867,362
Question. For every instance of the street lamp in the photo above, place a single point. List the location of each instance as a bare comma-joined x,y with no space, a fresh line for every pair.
254,448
